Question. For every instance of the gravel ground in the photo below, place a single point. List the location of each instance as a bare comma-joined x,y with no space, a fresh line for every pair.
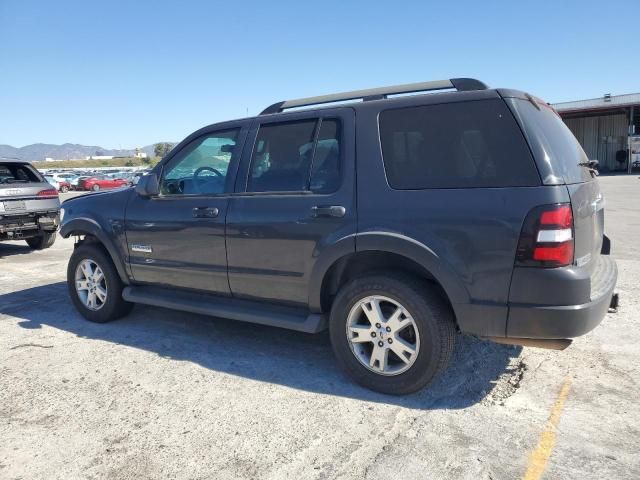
162,394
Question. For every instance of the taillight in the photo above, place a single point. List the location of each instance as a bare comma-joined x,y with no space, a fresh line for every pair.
49,193
546,239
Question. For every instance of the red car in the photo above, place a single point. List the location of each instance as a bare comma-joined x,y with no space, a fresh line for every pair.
64,186
98,182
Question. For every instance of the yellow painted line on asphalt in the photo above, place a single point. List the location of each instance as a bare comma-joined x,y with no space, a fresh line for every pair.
540,456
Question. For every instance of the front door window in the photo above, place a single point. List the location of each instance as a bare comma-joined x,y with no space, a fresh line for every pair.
201,167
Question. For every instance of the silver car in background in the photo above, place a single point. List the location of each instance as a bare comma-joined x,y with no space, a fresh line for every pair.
29,205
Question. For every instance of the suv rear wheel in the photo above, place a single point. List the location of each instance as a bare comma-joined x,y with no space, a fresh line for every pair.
391,333
94,285
42,241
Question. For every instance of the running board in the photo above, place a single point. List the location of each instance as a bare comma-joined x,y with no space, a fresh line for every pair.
226,307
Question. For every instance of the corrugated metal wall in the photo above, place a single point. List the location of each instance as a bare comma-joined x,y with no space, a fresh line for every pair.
601,137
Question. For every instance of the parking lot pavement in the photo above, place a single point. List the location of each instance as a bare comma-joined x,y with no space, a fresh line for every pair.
162,394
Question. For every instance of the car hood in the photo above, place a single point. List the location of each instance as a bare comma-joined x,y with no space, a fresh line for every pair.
92,197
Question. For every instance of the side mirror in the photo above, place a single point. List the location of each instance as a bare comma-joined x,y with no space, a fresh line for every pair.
148,185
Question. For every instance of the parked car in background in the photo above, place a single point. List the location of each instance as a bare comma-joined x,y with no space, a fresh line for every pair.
70,179
75,181
29,205
101,182
59,176
52,181
59,183
64,186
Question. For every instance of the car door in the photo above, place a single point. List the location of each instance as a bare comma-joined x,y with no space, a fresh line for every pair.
294,199
177,237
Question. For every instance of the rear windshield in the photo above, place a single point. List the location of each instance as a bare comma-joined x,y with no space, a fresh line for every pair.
17,173
455,145
557,151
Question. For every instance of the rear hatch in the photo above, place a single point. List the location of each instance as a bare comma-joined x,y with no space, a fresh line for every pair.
561,161
23,190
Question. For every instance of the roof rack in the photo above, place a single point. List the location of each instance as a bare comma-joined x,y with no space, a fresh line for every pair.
460,84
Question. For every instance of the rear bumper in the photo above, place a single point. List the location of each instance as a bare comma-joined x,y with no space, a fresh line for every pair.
566,321
15,227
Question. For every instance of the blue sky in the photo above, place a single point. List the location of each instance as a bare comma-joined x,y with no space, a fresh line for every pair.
131,73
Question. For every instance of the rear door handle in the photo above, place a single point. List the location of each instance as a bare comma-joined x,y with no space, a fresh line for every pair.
328,211
205,212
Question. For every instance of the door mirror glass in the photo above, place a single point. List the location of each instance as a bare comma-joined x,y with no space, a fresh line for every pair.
148,185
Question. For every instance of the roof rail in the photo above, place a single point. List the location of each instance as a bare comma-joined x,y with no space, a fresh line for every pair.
460,84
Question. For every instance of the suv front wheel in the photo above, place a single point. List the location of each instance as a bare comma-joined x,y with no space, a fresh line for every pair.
391,333
94,285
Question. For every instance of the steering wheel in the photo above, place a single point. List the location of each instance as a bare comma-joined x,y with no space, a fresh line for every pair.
204,169
197,181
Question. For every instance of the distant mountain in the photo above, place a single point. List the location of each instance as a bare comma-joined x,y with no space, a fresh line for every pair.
150,149
71,151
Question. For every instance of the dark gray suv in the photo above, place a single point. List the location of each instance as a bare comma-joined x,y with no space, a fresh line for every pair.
29,205
393,221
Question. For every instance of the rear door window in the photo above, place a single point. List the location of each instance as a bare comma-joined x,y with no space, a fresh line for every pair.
325,171
455,145
296,156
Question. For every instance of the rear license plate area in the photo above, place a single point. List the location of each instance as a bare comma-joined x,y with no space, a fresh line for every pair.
13,206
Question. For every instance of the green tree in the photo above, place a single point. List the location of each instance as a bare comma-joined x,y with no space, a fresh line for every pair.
161,149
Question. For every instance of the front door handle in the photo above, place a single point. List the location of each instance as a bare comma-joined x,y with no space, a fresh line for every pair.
328,211
205,212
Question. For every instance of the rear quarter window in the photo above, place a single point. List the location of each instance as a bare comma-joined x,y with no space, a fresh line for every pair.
455,145
555,147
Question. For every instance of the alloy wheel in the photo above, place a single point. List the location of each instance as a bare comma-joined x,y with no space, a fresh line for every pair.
383,335
91,284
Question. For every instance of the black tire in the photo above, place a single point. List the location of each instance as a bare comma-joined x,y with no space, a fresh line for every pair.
42,241
433,319
114,307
